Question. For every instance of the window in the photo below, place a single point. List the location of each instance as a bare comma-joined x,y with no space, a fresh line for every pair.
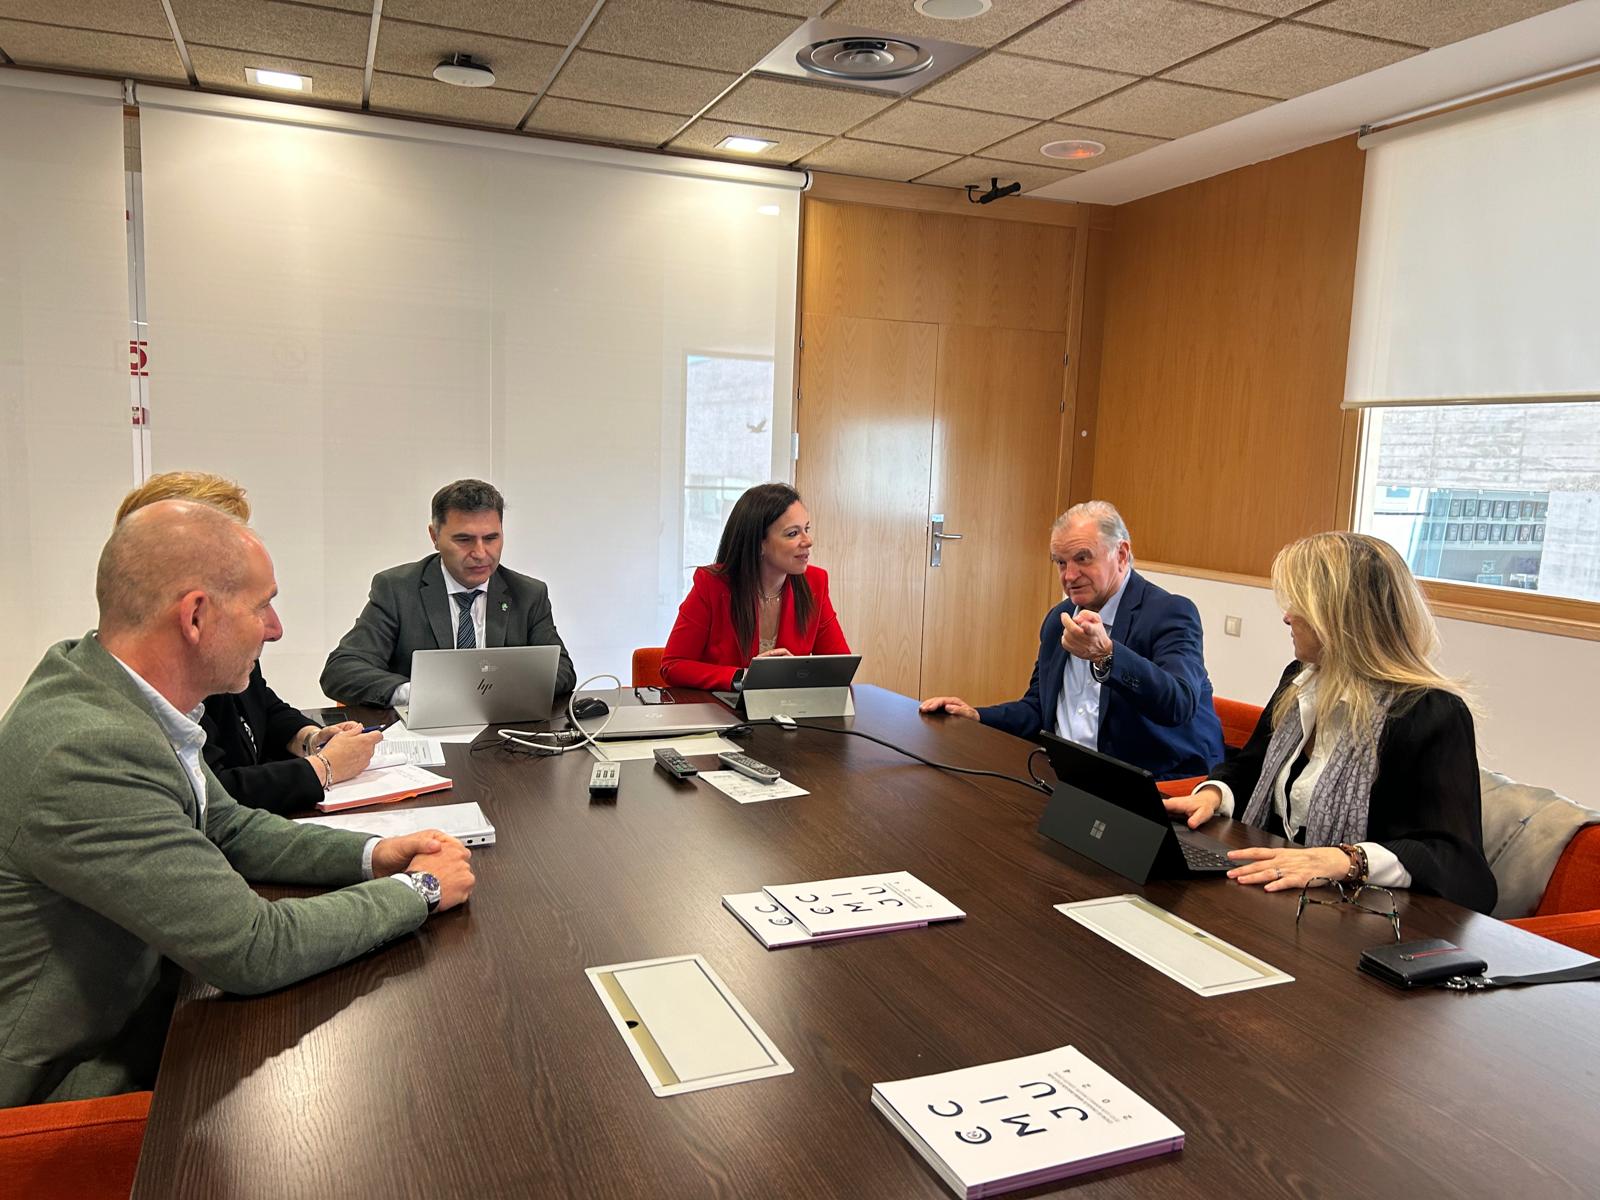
1504,495
727,446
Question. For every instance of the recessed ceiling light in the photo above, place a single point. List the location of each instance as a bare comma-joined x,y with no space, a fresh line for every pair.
769,210
286,81
463,70
744,145
1073,148
953,10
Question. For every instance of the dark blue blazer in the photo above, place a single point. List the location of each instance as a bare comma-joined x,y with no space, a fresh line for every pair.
1155,707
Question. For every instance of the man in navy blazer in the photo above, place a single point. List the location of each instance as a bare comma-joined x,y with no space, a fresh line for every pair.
1121,661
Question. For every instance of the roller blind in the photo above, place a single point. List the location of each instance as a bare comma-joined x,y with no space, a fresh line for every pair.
1479,252
65,454
347,312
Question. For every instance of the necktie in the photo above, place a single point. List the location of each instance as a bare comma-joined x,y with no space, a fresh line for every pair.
466,639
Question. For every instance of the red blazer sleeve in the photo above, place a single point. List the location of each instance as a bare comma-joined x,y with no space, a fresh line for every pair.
702,639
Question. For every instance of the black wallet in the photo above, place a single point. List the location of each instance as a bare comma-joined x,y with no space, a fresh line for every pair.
1420,963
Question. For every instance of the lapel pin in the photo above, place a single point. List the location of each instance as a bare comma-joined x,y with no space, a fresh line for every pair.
504,607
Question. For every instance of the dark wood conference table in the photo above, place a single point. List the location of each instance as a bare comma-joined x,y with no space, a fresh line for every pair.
475,1058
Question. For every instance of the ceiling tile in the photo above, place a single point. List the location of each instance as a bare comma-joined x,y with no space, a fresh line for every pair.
317,34
796,8
633,83
1270,8
786,105
897,16
1435,24
1024,148
115,54
935,127
1137,36
849,157
602,122
141,17
224,70
408,49
688,32
1023,87
979,171
1290,60
555,21
704,135
492,107
1168,110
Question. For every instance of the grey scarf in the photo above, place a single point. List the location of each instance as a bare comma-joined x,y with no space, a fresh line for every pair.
1339,799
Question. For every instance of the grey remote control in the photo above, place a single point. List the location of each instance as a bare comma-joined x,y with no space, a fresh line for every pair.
675,764
604,778
746,765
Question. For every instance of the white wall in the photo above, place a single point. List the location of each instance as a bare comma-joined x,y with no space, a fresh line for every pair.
1535,714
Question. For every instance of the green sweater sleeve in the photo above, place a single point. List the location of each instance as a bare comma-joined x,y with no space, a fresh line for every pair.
111,832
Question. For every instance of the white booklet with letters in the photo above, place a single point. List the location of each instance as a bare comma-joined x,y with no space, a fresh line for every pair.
860,903
1026,1121
775,927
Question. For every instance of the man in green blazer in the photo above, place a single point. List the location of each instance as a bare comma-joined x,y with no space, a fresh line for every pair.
459,598
122,857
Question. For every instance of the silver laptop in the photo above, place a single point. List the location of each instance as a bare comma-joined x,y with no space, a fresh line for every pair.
451,688
798,685
663,720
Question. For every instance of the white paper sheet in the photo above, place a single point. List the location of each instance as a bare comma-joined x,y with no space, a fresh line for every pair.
1179,950
463,821
632,750
414,750
461,733
741,787
863,902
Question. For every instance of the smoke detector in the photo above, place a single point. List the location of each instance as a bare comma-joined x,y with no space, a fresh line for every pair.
874,58
840,55
463,70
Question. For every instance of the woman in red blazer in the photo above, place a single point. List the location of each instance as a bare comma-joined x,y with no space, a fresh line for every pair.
761,598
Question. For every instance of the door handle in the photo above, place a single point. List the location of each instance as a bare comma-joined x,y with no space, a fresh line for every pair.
939,538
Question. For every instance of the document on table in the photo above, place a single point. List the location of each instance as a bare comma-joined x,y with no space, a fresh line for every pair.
411,749
745,790
633,749
1185,952
399,734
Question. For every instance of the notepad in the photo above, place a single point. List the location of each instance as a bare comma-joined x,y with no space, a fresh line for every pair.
384,785
863,902
775,927
1025,1121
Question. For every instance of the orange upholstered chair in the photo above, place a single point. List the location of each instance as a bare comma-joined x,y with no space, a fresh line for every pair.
1569,912
1238,723
647,667
75,1150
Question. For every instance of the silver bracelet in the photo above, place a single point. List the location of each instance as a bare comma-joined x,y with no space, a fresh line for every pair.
327,769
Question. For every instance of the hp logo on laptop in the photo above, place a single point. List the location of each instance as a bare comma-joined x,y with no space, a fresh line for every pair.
1097,830
485,684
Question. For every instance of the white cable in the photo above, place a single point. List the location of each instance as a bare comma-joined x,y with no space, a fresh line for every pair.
529,737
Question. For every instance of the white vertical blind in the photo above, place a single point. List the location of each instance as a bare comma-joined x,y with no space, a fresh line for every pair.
64,398
1479,251
348,315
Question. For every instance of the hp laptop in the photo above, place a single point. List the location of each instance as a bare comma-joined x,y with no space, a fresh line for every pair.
1112,813
452,688
800,685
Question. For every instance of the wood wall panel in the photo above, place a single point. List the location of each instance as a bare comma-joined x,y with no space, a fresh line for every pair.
901,265
1227,324
865,423
994,479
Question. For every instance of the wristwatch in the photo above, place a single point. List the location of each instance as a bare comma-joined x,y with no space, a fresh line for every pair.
423,884
1100,668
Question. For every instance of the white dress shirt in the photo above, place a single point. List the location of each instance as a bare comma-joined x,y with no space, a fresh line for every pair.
1292,803
1078,705
480,624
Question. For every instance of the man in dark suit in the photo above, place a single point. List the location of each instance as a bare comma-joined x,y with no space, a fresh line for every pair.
459,598
1121,664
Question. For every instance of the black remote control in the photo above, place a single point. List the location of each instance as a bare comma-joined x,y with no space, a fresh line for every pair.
746,765
675,764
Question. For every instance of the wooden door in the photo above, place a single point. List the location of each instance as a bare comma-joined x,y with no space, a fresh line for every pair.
995,446
866,429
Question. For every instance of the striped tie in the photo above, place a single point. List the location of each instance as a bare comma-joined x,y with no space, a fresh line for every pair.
466,639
